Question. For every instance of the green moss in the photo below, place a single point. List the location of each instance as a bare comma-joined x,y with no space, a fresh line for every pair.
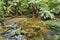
12,34
2,38
58,39
12,26
18,31
37,27
23,31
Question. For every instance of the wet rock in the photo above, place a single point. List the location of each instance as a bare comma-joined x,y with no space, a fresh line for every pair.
23,32
56,36
20,37
17,32
12,34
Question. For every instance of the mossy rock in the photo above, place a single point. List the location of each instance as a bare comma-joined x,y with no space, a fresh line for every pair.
12,34
23,32
12,26
37,27
2,38
18,31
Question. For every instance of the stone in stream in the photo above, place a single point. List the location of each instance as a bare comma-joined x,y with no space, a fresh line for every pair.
6,35
18,32
12,38
20,37
51,36
23,32
13,34
56,36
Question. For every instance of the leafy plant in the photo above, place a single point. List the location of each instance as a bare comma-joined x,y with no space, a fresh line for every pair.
54,25
45,8
1,9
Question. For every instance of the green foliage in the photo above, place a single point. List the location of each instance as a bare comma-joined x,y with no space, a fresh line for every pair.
46,8
58,39
53,24
1,9
37,27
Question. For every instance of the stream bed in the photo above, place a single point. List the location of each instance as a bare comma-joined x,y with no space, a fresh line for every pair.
16,32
